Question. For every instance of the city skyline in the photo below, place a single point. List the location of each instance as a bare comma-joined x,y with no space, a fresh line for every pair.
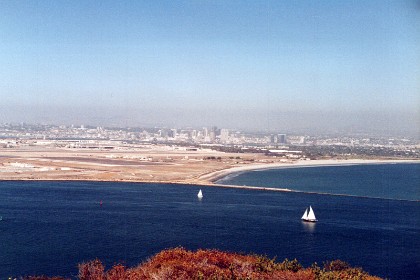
257,65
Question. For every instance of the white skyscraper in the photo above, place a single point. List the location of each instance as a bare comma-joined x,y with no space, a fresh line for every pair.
224,134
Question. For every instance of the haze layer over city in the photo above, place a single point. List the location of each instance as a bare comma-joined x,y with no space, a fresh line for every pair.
274,66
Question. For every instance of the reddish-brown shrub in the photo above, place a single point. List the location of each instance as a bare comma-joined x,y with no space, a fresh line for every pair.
336,265
180,263
93,270
116,272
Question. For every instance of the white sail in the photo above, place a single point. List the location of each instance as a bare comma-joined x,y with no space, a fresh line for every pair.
200,194
311,214
305,214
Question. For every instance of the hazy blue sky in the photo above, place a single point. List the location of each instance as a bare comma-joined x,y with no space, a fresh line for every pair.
280,65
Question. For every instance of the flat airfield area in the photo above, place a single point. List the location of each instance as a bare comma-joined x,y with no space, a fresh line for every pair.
141,163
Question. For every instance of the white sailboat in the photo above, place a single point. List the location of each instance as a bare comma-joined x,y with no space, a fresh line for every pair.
200,194
309,215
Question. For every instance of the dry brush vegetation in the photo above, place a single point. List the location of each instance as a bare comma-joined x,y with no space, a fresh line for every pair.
180,263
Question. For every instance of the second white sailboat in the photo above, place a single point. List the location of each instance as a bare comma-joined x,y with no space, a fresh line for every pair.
309,215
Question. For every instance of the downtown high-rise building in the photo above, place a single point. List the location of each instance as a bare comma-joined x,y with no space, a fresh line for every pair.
278,139
224,135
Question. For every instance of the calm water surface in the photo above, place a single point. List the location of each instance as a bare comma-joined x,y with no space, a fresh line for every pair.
396,181
49,227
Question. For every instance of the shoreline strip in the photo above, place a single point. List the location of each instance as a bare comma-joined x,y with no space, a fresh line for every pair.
210,179
306,192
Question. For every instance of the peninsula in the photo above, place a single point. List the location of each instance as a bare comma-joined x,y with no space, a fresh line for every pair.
145,163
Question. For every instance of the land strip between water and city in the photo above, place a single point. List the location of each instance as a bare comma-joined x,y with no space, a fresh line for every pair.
152,164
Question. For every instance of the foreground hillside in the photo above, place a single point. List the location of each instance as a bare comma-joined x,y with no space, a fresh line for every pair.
179,263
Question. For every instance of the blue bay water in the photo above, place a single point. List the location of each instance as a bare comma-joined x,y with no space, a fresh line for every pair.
50,227
395,181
